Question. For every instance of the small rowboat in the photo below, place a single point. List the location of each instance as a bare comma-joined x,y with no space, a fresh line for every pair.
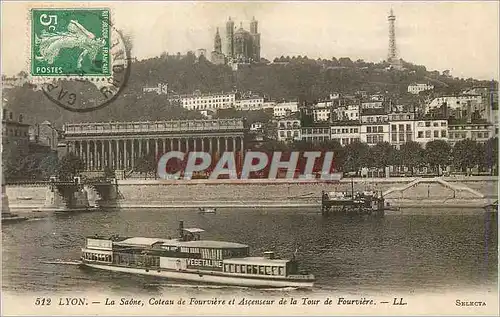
203,210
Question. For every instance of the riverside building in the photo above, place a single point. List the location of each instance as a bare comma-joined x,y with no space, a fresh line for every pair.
119,145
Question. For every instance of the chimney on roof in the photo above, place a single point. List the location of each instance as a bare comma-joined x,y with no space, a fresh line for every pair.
181,230
469,112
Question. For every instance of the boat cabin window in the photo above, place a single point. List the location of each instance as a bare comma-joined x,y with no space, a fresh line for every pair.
97,257
255,269
281,271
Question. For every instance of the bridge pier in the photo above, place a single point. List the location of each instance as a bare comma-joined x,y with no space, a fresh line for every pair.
68,196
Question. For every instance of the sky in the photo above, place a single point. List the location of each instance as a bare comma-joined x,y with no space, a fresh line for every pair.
460,36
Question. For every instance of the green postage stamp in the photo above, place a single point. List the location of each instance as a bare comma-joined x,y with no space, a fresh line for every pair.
66,42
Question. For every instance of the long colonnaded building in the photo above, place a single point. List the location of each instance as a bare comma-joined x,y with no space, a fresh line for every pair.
119,145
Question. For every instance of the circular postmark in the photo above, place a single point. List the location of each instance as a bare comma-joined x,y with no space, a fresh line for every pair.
100,82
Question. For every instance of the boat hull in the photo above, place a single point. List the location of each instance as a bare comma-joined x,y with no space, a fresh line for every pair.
66,210
16,219
207,278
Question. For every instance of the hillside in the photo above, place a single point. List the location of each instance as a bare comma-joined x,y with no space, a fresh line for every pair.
287,78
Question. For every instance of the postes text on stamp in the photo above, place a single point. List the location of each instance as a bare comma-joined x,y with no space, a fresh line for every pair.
66,42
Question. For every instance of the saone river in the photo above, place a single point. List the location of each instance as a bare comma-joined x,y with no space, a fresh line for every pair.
409,253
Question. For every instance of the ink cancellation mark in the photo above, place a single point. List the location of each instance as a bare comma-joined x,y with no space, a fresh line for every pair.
79,58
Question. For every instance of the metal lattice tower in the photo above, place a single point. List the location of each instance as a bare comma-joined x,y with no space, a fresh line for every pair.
392,56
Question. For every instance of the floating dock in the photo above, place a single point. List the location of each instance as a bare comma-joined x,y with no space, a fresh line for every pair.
352,204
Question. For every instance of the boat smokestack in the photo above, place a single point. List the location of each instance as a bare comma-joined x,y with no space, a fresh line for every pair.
181,230
269,255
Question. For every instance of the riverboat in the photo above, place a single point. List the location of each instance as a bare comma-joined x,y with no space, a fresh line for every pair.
189,258
203,210
8,217
351,203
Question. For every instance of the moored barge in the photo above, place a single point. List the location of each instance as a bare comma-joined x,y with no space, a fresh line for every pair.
191,259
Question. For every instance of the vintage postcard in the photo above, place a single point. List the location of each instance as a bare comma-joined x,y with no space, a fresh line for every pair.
249,158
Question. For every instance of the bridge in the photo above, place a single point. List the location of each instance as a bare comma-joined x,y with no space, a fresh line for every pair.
66,194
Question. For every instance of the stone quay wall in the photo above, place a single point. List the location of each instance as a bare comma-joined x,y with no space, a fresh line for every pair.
261,193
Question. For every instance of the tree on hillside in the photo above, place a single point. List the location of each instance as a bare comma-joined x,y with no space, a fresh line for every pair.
146,164
383,155
412,155
356,157
339,153
49,163
489,157
466,154
437,154
70,166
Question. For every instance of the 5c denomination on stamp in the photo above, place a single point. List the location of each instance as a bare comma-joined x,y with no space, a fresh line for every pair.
70,42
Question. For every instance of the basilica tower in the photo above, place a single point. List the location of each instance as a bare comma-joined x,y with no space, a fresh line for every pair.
217,42
254,32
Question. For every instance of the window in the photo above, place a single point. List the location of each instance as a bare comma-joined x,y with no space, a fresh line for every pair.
368,129
408,127
380,129
420,134
436,134
275,270
393,127
443,133
369,139
401,127
427,124
427,134
394,137
436,124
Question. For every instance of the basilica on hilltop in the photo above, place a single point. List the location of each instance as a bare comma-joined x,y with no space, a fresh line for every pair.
242,46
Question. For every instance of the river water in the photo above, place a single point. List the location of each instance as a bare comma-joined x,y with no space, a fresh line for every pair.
417,252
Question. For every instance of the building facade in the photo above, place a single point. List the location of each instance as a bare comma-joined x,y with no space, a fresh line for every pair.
346,132
454,102
250,103
285,108
472,131
289,129
217,57
374,133
316,134
119,145
44,134
15,133
430,130
208,101
242,45
418,88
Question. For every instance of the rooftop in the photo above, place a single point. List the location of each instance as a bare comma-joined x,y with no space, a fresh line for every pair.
144,242
256,261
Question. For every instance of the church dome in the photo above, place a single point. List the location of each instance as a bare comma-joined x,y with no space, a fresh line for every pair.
241,31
